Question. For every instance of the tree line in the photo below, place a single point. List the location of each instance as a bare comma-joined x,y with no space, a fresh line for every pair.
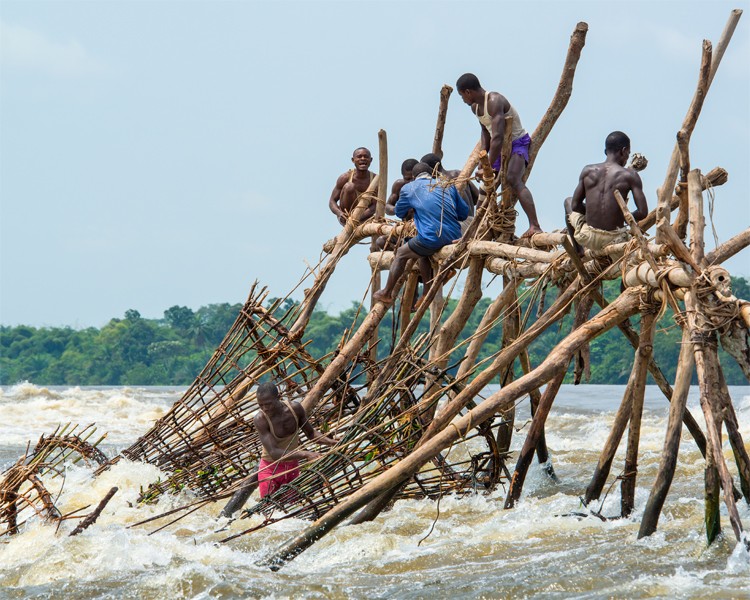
172,350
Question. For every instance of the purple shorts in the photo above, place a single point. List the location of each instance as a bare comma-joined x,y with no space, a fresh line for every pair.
519,146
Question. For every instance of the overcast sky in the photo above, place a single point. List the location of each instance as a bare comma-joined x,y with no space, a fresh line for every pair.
162,153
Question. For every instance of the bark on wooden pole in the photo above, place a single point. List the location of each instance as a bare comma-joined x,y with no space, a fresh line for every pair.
535,397
642,356
739,450
668,461
532,438
706,361
437,143
489,320
665,191
379,214
683,139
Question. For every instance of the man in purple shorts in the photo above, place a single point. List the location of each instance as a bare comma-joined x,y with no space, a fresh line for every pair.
438,208
491,108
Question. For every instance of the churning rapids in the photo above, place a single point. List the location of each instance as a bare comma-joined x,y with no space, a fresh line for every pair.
543,548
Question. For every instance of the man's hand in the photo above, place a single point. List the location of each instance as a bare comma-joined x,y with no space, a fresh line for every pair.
342,219
310,455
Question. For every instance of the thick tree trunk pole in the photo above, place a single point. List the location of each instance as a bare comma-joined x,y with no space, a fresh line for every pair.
697,222
625,306
407,300
453,326
536,431
739,450
665,191
488,322
450,330
437,143
642,356
511,330
668,462
603,466
545,404
535,397
379,214
712,493
683,140
729,248
706,364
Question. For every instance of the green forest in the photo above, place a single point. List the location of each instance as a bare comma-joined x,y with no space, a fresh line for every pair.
173,350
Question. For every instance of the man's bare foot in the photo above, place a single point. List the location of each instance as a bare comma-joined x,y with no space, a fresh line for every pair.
381,296
531,231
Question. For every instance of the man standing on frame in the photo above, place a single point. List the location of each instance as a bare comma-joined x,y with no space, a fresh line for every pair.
278,424
491,108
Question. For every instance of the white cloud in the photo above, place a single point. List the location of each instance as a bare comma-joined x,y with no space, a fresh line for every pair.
23,48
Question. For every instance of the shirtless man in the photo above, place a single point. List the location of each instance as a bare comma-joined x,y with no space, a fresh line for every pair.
592,215
278,424
388,242
491,108
406,177
351,185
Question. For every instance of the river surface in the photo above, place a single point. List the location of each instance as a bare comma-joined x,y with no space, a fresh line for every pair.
476,550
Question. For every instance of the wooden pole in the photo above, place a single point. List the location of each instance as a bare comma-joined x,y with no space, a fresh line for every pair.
683,139
642,356
533,438
739,450
437,143
535,397
562,94
407,299
706,362
668,462
665,191
488,322
379,214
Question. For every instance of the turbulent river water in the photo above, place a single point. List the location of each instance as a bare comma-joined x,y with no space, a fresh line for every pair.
477,550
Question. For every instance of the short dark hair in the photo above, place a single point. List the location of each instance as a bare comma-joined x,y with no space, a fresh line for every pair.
616,141
361,148
408,165
267,389
433,160
468,81
420,168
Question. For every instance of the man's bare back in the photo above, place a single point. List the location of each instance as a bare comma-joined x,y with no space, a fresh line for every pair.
593,201
594,194
599,183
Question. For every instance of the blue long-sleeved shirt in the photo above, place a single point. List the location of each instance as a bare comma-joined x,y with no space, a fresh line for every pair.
437,211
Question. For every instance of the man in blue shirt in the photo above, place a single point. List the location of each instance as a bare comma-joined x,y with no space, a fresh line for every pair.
437,212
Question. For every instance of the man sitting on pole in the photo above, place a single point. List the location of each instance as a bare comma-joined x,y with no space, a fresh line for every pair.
438,209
